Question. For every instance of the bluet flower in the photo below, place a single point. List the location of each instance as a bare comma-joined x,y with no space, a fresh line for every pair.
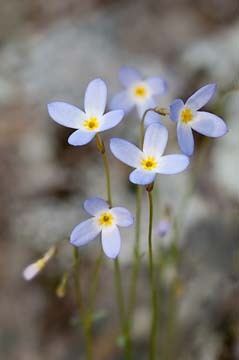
140,93
149,161
188,118
89,122
104,220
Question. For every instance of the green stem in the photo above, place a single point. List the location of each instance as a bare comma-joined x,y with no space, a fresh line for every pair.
154,320
123,319
95,281
82,315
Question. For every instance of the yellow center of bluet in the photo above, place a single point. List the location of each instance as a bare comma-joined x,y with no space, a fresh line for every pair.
106,219
149,163
186,115
140,91
91,124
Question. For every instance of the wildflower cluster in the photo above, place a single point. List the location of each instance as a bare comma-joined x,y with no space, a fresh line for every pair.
146,159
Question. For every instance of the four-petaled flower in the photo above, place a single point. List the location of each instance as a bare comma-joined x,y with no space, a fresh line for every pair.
104,220
149,161
88,122
138,92
188,117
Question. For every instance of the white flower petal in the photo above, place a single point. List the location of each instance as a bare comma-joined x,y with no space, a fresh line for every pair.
142,177
175,109
85,232
95,97
122,100
144,105
172,164
129,75
185,138
111,241
151,118
66,114
123,216
111,119
155,140
81,137
209,124
157,85
95,205
201,96
126,152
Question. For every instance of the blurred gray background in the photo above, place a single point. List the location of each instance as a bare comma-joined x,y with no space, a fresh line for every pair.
50,50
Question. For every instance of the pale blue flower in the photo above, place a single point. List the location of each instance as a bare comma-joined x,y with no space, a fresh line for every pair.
188,117
88,122
149,161
104,220
140,93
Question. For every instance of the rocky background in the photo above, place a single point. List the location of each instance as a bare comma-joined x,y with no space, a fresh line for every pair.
50,50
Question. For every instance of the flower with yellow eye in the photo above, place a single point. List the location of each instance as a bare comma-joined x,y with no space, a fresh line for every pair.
140,93
149,161
89,122
188,117
104,220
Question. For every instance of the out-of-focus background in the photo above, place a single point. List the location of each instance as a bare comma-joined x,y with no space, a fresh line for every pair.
50,50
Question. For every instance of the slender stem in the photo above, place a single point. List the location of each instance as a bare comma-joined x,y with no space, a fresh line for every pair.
154,320
82,315
122,315
95,281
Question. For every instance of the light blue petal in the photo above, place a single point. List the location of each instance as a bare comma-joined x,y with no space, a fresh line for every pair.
85,232
95,97
142,177
111,119
126,152
129,75
122,101
155,140
151,118
123,216
157,85
175,109
209,124
172,164
201,96
185,138
111,242
149,103
66,114
95,205
81,137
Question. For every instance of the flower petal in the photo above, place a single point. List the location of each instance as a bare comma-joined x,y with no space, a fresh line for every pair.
111,119
122,101
128,75
95,205
85,232
142,177
66,114
155,140
172,164
149,103
123,216
95,97
157,85
185,138
81,137
151,118
126,152
111,241
201,96
175,109
209,124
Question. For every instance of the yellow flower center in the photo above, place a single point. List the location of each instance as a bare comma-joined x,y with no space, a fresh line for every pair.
91,124
149,163
140,91
106,219
186,115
